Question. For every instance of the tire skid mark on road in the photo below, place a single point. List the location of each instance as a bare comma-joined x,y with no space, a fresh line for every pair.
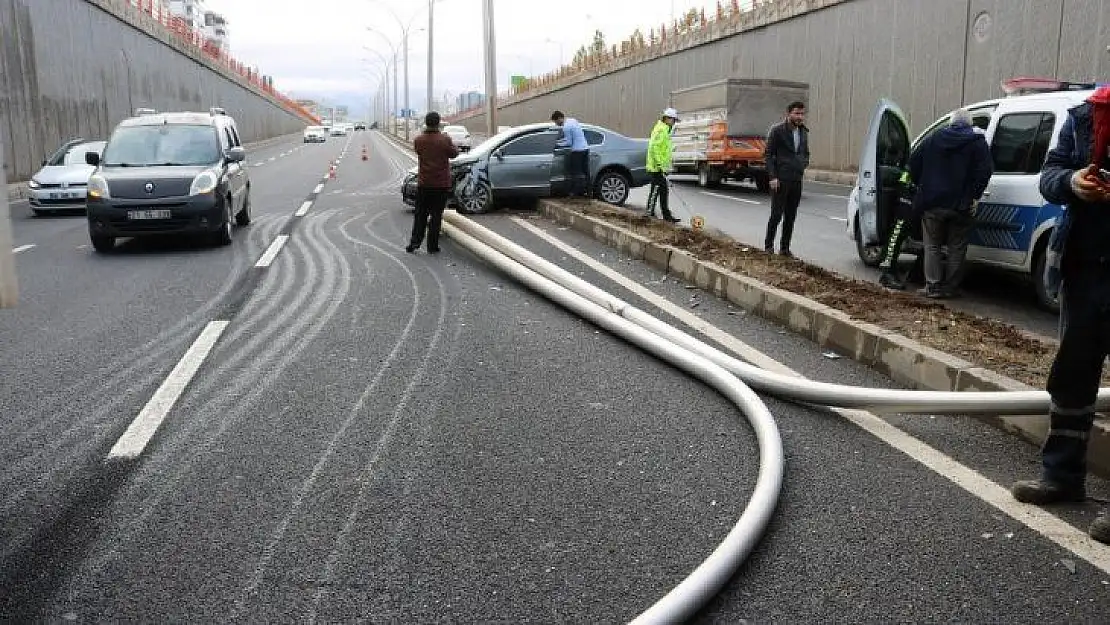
76,437
367,474
138,488
141,357
248,591
231,405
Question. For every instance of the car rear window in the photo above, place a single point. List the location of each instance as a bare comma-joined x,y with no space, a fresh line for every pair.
165,144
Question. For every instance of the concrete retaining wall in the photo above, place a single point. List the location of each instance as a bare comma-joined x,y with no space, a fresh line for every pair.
930,56
75,68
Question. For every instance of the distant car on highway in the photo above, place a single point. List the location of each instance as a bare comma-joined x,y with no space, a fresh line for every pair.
360,125
339,130
61,184
524,162
315,134
460,136
169,173
1013,221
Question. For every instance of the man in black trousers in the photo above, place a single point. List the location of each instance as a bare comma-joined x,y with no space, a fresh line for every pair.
434,151
787,156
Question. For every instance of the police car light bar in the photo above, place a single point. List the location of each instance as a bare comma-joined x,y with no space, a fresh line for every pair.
1023,85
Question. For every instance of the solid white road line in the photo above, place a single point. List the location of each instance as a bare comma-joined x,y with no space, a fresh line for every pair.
1044,523
139,433
23,248
843,219
303,210
271,252
729,197
319,188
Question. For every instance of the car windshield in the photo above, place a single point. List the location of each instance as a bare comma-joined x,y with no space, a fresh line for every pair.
75,155
164,144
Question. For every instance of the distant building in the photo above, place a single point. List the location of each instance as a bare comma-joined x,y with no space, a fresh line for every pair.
342,113
189,11
469,100
215,31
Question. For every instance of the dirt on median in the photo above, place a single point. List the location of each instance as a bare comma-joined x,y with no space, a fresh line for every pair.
987,343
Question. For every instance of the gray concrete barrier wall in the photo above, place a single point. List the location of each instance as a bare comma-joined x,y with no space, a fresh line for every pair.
75,68
930,56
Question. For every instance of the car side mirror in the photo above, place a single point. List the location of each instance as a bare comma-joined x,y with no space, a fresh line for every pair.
44,162
237,154
92,158
499,155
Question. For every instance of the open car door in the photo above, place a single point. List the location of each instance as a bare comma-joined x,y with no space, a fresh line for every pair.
886,153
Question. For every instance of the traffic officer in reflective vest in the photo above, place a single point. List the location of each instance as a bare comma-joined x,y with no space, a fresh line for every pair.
1071,176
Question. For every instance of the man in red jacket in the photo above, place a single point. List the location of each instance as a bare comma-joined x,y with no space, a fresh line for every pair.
434,151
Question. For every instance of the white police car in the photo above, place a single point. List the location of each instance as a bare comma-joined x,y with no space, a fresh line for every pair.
1013,221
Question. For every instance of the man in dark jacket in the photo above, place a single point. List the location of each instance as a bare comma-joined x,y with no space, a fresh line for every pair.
787,156
1069,178
952,169
434,151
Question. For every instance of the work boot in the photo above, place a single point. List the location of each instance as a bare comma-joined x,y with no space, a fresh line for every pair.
1100,527
1043,492
891,281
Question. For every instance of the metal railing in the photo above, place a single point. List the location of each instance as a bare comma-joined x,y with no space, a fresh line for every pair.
181,31
657,41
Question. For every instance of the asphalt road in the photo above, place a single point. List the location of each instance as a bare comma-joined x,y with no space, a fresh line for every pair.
412,438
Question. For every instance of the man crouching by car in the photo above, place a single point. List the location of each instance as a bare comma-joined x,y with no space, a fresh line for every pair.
434,151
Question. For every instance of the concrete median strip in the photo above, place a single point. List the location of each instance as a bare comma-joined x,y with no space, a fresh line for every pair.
904,360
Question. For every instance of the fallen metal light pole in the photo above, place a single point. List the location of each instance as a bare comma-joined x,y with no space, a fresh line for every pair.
782,386
684,600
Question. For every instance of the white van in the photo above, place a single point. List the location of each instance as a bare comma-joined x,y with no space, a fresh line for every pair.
1013,221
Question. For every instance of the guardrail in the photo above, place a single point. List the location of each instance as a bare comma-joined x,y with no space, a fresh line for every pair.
180,30
694,28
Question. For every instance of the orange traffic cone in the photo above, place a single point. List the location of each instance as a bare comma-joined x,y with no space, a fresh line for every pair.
364,156
331,172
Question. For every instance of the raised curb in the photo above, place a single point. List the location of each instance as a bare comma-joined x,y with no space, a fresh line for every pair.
904,360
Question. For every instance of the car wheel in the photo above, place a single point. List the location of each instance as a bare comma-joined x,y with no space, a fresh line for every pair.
103,243
243,218
613,188
871,255
223,236
38,213
703,175
478,201
1051,304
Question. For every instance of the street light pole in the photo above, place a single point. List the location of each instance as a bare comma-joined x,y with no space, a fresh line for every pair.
431,48
491,67
9,289
405,44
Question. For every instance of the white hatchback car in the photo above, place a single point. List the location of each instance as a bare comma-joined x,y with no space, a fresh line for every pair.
460,136
1013,221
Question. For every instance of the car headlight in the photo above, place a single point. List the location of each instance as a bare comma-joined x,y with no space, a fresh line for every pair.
205,182
33,184
98,187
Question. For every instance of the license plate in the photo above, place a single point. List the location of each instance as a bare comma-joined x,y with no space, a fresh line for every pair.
150,214
64,196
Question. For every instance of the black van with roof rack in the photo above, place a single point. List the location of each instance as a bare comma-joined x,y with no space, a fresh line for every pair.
169,173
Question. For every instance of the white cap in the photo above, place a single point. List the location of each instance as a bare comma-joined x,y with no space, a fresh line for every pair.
670,112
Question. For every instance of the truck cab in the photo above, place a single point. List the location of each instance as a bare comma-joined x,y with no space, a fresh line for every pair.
1013,221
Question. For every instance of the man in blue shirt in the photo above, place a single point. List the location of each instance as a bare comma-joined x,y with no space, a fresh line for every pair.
578,159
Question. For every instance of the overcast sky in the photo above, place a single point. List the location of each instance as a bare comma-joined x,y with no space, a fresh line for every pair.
316,49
